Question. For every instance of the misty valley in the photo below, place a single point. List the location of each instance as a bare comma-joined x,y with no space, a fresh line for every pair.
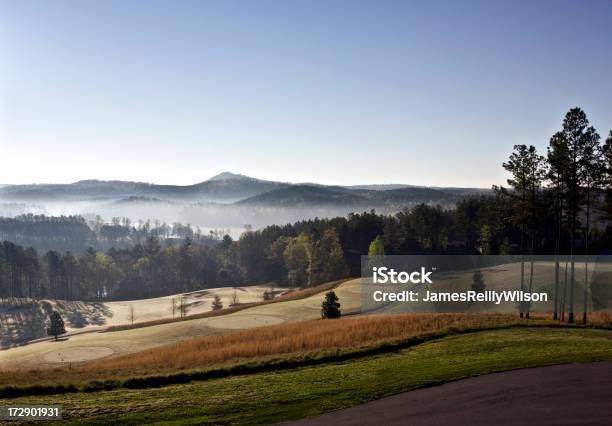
227,202
421,233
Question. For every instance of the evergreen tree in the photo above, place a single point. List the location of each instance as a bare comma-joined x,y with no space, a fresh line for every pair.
56,325
537,173
330,308
578,136
558,164
478,283
607,175
593,171
518,166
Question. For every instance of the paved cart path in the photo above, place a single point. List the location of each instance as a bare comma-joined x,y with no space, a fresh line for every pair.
570,394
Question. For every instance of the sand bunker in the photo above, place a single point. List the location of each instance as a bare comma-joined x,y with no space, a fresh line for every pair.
78,354
236,322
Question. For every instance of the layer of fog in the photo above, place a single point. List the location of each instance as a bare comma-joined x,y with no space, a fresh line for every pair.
206,216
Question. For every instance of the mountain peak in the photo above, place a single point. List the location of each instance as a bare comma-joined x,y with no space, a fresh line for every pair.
228,176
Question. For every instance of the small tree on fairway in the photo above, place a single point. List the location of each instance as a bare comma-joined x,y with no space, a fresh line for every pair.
131,315
183,307
56,325
174,306
330,307
478,284
268,295
217,303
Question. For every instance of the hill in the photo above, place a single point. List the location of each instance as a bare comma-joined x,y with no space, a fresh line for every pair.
90,345
25,320
312,195
225,187
297,195
227,200
231,187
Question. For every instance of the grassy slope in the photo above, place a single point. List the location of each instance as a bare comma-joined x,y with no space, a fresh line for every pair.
138,339
135,340
507,277
296,343
290,394
290,295
26,320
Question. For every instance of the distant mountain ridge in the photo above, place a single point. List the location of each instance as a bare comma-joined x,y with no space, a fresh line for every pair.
225,187
228,187
304,195
231,176
301,194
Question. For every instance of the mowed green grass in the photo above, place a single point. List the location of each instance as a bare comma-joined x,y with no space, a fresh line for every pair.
266,398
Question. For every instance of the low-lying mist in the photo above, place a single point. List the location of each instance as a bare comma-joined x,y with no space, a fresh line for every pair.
234,218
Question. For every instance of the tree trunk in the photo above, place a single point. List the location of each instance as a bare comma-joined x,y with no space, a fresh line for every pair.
564,292
586,258
557,240
573,263
570,318
521,304
531,270
530,284
533,213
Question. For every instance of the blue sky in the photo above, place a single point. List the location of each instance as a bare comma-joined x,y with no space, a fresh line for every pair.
338,92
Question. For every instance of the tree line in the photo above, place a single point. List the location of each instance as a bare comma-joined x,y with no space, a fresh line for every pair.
559,203
572,185
76,234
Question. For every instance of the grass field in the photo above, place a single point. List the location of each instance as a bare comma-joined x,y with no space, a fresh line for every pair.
24,320
270,397
88,346
507,277
261,343
270,347
277,361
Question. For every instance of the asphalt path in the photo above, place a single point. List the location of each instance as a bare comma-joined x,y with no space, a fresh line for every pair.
569,394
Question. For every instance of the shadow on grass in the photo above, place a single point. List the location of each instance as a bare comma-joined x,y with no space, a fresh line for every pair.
22,320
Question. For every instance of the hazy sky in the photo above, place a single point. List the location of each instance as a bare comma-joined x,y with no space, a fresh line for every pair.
431,93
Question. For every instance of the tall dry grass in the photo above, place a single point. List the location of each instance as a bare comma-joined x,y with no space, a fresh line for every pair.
274,341
294,338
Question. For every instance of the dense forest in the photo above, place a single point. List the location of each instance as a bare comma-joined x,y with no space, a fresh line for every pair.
75,234
558,203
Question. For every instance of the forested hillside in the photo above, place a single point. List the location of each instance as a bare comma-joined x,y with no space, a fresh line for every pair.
75,234
560,203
